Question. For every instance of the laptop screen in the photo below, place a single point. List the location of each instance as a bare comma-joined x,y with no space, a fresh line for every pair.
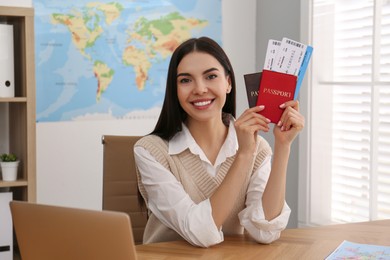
53,232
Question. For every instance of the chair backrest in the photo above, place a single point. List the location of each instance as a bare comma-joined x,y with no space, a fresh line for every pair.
120,191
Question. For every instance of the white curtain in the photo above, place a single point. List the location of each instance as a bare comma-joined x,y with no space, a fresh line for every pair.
349,135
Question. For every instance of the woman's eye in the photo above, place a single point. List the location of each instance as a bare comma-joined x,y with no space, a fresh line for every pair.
212,76
184,80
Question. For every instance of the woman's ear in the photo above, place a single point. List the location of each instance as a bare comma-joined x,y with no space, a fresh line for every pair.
229,87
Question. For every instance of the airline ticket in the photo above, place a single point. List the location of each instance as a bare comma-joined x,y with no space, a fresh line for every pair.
272,50
286,58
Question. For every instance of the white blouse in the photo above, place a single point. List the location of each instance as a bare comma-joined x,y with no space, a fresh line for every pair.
170,203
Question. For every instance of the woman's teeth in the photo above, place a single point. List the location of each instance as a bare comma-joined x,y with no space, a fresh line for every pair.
203,103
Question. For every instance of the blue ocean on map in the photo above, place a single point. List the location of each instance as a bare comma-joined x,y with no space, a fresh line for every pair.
108,60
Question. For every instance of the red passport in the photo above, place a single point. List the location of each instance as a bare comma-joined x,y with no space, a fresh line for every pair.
275,88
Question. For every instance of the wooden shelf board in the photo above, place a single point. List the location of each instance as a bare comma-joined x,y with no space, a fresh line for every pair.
15,99
17,183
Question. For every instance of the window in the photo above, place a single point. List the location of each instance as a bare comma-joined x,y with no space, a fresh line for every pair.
349,119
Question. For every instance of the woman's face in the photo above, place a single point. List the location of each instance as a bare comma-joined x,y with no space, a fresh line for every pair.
202,86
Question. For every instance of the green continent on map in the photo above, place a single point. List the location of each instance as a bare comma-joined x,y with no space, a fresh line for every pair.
104,76
139,59
160,36
85,27
112,10
82,36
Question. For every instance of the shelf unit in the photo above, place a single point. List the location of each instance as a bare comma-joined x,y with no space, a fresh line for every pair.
17,115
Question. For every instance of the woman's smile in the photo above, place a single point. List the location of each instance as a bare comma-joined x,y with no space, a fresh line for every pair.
202,104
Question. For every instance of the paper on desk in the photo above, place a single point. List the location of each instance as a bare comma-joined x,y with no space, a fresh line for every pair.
351,250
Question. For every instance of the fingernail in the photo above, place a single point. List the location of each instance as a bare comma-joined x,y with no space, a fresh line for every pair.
268,120
282,128
282,105
279,123
261,106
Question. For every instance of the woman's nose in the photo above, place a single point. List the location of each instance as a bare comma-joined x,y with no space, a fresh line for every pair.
200,87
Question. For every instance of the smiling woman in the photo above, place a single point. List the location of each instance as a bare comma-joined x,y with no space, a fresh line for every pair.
202,85
203,173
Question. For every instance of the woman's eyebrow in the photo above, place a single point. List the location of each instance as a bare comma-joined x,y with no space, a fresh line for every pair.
185,74
209,70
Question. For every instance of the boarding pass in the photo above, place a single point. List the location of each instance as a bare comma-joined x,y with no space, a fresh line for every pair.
272,50
285,57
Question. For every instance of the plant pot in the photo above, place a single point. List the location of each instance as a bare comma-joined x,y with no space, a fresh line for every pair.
9,170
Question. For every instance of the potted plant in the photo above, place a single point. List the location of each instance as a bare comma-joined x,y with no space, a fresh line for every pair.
9,166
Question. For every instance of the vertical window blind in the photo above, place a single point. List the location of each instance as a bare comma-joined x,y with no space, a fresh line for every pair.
350,132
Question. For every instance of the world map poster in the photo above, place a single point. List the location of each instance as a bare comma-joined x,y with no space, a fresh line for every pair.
108,60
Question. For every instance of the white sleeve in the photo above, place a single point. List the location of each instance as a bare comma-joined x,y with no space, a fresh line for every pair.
252,217
170,203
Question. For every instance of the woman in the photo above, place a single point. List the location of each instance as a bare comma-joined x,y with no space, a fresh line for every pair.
204,174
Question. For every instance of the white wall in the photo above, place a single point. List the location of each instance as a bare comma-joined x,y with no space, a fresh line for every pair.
20,3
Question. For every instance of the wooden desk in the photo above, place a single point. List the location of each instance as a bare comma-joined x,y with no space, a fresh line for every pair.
301,243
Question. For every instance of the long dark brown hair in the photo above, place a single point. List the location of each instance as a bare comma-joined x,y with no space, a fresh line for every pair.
172,114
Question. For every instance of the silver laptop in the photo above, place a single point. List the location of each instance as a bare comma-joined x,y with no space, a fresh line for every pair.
52,232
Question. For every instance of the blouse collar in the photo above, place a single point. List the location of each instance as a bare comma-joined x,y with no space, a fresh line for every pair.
183,140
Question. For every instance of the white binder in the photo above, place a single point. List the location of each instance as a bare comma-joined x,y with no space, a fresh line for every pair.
7,78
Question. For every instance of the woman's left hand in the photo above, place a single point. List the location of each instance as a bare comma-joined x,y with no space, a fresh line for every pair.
290,124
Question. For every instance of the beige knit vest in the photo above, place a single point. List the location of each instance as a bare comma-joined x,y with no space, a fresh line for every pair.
188,170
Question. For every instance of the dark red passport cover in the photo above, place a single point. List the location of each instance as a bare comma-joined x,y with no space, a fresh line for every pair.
252,83
275,88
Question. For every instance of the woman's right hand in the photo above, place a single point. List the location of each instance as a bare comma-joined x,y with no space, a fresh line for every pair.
247,127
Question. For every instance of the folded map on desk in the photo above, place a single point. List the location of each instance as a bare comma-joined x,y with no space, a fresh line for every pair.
351,250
